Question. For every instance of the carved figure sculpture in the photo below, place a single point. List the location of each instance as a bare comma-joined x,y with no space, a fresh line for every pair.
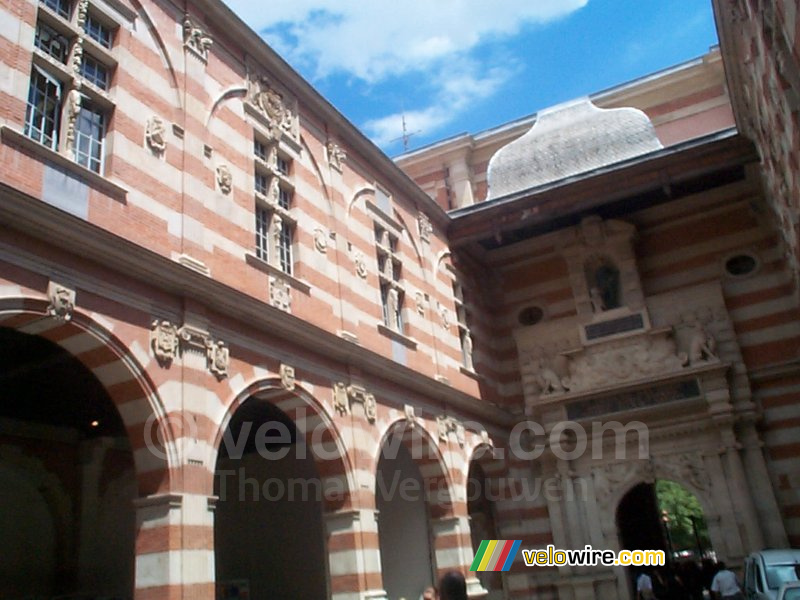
195,38
703,346
549,382
468,352
392,305
596,299
74,99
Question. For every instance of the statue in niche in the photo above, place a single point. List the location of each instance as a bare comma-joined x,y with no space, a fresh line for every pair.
603,280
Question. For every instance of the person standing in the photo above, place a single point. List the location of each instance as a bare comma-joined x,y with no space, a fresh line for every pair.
644,587
724,584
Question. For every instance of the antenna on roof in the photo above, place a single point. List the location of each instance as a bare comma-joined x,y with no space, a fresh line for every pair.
406,135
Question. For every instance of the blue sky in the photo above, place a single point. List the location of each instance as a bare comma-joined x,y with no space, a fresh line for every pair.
454,66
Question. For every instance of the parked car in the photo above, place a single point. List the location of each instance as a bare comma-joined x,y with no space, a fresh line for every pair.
790,591
766,571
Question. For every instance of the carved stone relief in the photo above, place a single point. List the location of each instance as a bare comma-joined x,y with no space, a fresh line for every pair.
320,240
272,106
62,301
336,156
155,134
359,395
341,402
411,417
195,39
444,315
218,356
224,179
287,377
447,425
360,264
425,227
280,295
421,303
164,341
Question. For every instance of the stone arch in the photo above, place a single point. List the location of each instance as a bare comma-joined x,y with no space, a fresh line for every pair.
127,383
159,42
425,452
365,191
318,172
315,424
232,92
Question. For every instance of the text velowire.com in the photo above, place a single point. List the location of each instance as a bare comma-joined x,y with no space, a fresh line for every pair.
589,557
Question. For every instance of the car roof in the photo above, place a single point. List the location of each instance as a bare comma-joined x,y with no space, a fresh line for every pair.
779,556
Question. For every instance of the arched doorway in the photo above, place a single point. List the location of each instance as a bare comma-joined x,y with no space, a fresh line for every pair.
67,475
664,515
407,559
269,534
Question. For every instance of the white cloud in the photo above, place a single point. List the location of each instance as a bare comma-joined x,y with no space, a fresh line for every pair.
459,87
373,39
377,40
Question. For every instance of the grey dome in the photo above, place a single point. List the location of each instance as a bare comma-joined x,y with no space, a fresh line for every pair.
570,139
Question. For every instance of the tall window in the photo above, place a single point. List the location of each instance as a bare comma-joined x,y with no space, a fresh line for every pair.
262,233
389,274
44,108
89,134
275,224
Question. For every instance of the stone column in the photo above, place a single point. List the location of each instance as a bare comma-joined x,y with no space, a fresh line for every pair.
453,550
354,557
742,500
761,488
174,547
729,541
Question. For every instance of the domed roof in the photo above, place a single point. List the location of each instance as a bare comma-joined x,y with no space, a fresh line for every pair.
567,140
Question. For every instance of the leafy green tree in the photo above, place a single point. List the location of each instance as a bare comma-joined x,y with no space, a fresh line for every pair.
682,513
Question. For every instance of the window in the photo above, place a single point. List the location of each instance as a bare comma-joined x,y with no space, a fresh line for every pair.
282,164
462,322
89,134
52,43
285,247
284,198
44,108
389,273
274,193
262,233
60,7
260,150
262,183
94,72
98,32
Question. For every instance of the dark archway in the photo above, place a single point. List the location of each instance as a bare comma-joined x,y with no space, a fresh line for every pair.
640,527
66,472
269,534
482,491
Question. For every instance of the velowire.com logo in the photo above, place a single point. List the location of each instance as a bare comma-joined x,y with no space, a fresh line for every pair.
495,555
